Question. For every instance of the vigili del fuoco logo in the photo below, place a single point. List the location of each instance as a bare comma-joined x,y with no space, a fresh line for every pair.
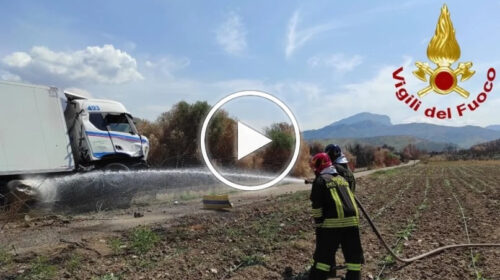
442,78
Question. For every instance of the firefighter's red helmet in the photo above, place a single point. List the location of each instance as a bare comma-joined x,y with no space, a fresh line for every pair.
319,162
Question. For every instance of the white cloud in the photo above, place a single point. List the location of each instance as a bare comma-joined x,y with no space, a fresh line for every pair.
17,59
338,62
167,65
93,64
231,35
296,37
6,76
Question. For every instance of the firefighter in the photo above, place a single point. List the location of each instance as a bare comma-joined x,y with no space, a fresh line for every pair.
336,217
340,162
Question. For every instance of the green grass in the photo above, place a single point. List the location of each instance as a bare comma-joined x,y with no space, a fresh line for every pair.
267,228
388,260
40,270
387,172
142,263
252,260
142,240
233,233
74,262
116,246
475,260
402,234
5,257
110,276
406,232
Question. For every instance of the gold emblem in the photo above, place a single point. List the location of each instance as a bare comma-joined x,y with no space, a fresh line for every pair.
444,50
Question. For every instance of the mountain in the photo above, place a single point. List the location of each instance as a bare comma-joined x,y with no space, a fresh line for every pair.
494,127
365,125
365,117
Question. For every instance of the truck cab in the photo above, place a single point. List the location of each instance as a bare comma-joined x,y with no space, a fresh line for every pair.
102,133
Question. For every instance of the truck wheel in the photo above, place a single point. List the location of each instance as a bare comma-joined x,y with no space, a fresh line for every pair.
140,166
116,193
116,166
114,179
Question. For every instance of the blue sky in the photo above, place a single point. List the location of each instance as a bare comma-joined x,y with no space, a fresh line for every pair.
325,59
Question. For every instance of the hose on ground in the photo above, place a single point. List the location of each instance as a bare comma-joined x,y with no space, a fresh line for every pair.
424,255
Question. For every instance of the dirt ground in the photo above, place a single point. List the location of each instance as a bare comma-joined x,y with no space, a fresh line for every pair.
269,235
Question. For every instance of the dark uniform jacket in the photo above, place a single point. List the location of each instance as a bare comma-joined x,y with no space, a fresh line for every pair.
344,171
333,201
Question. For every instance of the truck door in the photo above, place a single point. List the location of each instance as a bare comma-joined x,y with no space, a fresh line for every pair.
113,133
98,136
123,134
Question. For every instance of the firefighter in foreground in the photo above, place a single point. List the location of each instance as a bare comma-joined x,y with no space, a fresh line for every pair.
336,217
340,163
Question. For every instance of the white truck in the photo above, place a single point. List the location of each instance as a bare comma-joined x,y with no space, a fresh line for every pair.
44,130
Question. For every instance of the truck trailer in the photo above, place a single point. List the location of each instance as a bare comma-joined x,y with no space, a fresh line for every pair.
47,131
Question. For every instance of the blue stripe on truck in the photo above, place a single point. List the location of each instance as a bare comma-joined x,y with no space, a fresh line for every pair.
123,137
100,155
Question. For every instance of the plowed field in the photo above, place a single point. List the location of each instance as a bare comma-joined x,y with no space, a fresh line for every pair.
416,208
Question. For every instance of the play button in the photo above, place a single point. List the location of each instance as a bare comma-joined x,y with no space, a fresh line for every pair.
249,140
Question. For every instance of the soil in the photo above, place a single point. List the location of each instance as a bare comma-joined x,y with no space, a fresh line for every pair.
269,234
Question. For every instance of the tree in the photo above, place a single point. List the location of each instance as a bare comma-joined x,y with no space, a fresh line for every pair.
279,152
221,139
316,147
410,152
365,155
153,132
180,127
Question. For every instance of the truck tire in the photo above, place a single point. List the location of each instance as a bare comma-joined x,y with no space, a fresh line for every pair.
140,166
116,192
116,166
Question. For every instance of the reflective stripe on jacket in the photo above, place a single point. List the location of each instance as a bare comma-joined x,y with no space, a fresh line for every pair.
333,202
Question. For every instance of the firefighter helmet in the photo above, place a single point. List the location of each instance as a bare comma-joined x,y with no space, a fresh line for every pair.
319,162
333,151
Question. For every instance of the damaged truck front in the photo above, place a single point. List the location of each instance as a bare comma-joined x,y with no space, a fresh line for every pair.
45,131
103,135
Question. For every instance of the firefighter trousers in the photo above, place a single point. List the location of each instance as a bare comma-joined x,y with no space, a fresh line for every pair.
327,243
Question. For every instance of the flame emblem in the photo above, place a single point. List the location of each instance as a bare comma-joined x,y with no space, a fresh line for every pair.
444,50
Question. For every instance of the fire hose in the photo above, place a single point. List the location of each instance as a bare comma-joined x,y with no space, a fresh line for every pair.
424,255
421,256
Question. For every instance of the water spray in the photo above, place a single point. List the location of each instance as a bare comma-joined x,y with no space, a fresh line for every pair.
110,189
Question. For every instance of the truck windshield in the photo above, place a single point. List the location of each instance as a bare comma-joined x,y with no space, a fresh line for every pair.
119,123
112,122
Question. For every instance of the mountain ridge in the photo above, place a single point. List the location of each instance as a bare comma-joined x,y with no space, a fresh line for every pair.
494,127
365,125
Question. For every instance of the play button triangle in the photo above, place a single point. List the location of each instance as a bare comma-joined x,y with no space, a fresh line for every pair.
249,140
